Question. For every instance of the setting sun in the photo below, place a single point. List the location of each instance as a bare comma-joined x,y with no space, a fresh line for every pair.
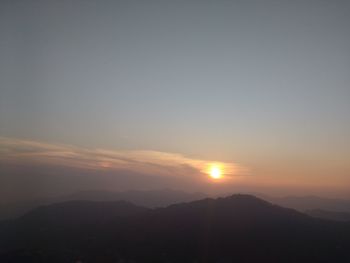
215,172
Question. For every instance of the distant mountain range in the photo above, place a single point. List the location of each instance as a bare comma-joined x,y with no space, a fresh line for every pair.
165,197
151,199
304,203
329,215
238,228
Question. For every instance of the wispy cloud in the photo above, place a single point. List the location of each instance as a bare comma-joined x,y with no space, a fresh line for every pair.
149,162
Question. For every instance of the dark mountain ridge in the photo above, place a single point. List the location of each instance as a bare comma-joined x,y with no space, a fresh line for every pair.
150,198
163,198
82,212
238,228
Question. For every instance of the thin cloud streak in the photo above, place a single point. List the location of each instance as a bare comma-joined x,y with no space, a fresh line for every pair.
147,162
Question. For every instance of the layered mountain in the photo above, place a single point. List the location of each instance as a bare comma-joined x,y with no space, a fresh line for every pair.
151,198
304,203
238,228
329,215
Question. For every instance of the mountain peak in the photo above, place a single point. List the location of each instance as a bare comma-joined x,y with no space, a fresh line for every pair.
245,197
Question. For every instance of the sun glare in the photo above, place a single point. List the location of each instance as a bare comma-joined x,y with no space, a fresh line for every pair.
215,172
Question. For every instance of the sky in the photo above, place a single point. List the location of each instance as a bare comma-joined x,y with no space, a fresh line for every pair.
260,87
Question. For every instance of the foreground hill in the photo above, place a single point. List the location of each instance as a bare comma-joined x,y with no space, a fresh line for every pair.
239,228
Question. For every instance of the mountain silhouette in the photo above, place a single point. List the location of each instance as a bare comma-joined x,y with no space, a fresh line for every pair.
238,228
150,198
81,212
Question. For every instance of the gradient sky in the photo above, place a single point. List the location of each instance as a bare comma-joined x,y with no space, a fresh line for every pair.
259,84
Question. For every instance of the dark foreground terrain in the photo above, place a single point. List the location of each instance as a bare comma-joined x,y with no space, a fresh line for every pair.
239,228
